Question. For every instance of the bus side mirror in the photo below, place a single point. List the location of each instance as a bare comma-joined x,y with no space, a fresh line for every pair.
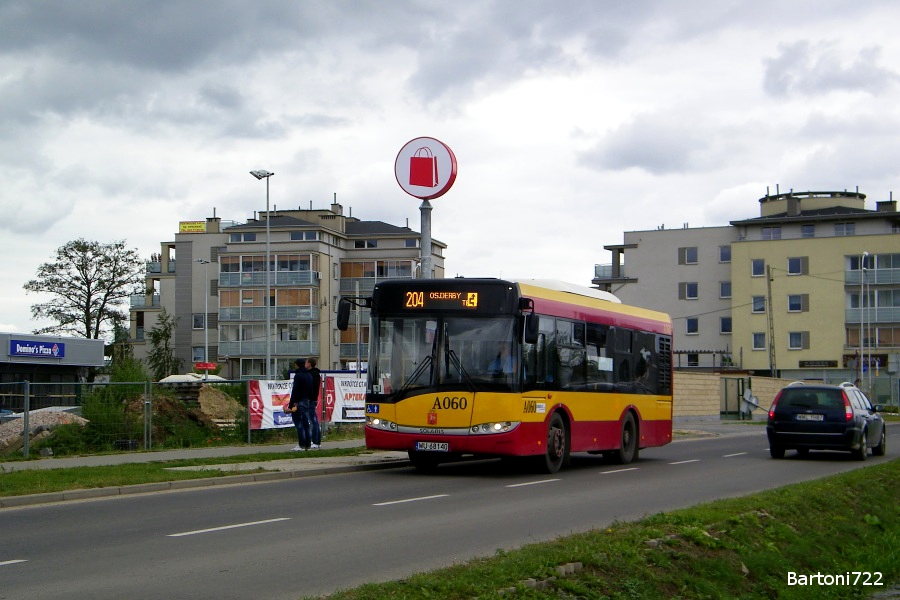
531,329
343,314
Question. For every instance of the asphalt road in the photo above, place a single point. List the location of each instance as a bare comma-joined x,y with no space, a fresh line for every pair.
312,536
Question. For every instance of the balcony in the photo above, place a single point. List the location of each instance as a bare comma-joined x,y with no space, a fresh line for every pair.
873,277
349,351
142,301
279,313
873,315
291,348
258,278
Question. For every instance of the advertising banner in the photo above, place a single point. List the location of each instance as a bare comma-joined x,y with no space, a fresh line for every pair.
265,400
345,398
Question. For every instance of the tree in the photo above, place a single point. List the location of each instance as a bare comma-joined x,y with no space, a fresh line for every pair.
87,282
162,358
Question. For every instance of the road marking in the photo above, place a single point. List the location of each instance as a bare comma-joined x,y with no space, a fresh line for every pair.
410,500
735,454
531,483
684,462
224,527
619,471
11,562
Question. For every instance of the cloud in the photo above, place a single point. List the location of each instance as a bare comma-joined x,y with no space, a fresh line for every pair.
807,69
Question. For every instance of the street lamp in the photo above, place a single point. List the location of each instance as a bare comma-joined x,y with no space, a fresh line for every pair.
862,314
263,174
205,264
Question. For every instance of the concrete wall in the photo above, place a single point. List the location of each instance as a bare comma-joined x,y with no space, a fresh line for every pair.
700,394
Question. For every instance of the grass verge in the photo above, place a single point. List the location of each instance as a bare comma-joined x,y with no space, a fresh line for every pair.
42,481
736,548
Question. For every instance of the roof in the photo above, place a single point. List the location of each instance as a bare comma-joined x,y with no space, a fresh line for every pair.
376,228
822,214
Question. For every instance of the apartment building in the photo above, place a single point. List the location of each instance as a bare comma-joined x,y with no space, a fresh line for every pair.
213,278
809,289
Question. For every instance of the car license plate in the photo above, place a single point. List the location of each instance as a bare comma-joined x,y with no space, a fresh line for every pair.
433,446
805,417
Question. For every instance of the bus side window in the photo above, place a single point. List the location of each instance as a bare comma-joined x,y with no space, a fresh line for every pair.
624,363
599,358
645,372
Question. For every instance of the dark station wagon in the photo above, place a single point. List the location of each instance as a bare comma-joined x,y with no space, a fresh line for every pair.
806,417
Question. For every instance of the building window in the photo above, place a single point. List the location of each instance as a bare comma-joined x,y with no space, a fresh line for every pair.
841,229
798,265
759,341
365,244
199,320
725,325
807,231
759,304
304,236
197,354
411,243
687,255
798,303
724,254
688,290
692,326
757,267
858,261
798,340
242,237
724,289
693,359
771,233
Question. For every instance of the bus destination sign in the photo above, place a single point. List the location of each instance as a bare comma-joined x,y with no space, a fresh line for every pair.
440,299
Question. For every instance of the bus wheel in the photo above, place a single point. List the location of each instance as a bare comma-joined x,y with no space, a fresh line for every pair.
628,450
424,462
557,446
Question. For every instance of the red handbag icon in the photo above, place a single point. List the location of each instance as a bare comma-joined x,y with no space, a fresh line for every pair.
423,168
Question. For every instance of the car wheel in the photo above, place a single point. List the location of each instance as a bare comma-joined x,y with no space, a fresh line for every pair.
776,451
881,448
862,453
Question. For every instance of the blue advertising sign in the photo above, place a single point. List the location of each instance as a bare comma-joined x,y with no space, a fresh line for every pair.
37,349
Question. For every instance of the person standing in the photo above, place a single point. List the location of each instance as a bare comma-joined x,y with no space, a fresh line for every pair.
301,392
314,429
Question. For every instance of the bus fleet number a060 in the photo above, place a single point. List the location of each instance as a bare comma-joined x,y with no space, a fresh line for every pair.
448,403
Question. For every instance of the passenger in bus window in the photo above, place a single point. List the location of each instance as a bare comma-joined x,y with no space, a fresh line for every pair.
503,363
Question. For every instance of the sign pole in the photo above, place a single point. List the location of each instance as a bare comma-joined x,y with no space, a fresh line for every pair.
425,250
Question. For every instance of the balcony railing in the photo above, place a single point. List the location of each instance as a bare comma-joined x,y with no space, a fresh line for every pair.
873,314
349,351
606,272
873,277
140,300
279,313
291,348
258,278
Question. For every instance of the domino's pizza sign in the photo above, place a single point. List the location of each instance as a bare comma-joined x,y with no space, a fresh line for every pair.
36,349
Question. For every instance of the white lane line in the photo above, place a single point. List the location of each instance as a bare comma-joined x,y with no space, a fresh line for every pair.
735,454
684,462
619,471
531,483
11,562
410,500
224,527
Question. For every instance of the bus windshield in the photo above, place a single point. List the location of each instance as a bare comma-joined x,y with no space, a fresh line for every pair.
412,355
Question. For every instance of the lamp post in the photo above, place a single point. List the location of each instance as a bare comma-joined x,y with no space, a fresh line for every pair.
205,264
862,313
263,174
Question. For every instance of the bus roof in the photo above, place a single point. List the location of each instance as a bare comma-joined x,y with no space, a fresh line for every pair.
562,301
570,288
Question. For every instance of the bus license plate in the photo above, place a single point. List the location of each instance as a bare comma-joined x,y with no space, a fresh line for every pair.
433,446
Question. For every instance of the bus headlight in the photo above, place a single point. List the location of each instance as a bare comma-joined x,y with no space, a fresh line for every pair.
489,428
378,423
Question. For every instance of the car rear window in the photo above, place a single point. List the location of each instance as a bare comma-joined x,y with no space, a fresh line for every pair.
815,399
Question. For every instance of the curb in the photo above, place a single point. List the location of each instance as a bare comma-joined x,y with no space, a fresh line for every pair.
185,484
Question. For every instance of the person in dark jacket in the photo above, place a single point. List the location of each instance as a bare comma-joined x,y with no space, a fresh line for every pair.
314,429
301,393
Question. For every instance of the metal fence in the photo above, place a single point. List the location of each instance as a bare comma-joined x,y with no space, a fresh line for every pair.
98,417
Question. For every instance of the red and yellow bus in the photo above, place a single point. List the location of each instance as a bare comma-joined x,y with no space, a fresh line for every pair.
496,368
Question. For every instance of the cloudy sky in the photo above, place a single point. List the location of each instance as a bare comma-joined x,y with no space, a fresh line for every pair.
571,121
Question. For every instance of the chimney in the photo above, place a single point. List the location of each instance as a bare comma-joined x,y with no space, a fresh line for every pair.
886,206
793,206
